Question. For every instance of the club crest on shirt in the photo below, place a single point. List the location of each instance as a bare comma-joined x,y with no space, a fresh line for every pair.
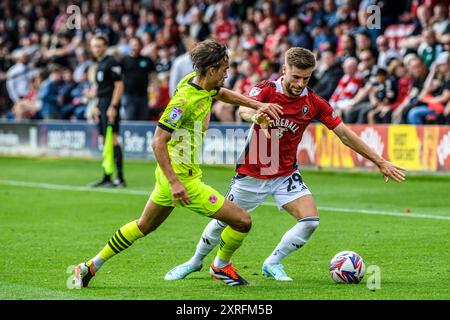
254,92
213,199
143,64
305,110
176,114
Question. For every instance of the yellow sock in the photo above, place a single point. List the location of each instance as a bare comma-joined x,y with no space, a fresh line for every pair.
230,241
122,239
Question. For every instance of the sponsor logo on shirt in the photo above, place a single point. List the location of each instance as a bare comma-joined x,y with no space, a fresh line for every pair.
254,92
284,125
170,122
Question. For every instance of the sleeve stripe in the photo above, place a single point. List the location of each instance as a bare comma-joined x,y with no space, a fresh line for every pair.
166,128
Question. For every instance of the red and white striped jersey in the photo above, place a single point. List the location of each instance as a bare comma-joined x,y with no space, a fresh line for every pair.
347,88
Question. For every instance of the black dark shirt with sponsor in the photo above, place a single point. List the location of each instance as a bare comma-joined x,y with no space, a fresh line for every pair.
135,74
108,71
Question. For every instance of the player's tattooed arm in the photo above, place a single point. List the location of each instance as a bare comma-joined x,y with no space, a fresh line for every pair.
351,140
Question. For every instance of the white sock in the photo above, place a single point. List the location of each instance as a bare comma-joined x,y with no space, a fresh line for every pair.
294,239
209,240
219,263
98,262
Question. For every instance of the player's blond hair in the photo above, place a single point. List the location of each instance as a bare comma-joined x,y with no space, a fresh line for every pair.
300,58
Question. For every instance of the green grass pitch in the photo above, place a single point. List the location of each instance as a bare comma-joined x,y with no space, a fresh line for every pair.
47,225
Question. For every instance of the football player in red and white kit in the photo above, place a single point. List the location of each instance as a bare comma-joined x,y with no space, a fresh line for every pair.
268,166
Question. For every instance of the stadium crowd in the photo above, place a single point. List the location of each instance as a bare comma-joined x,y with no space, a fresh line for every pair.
397,73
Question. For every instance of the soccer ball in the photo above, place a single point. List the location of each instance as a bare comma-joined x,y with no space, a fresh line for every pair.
347,267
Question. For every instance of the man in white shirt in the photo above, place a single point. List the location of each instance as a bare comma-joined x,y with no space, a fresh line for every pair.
181,66
18,77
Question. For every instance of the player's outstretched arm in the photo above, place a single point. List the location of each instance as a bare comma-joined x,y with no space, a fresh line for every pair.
351,140
159,146
231,97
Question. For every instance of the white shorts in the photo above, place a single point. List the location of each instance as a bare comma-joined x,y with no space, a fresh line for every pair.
248,192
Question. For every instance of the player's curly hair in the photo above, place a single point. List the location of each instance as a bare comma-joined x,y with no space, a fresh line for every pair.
300,58
208,54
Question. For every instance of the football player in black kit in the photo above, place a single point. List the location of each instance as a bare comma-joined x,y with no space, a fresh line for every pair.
108,78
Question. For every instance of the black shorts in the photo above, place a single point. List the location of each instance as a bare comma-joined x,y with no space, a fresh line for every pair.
103,104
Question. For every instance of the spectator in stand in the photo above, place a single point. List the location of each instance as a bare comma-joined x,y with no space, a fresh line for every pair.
329,12
402,80
48,94
421,22
360,102
222,27
198,29
363,42
364,16
435,93
268,28
297,36
322,35
80,97
163,63
83,63
184,13
159,96
182,65
18,77
346,47
268,71
232,76
247,79
383,94
64,98
28,106
249,38
419,72
347,87
440,20
327,74
429,49
151,24
385,54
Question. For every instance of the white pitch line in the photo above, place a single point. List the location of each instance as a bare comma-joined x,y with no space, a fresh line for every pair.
51,186
375,212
